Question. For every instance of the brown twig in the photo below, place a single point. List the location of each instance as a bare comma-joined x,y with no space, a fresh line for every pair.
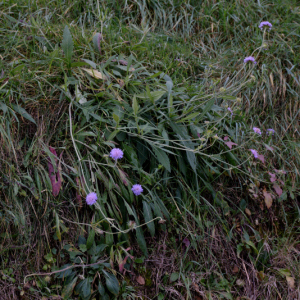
59,271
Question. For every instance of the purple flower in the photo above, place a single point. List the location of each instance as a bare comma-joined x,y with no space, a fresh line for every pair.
186,242
265,23
271,131
91,198
249,58
137,189
254,152
256,130
116,153
230,110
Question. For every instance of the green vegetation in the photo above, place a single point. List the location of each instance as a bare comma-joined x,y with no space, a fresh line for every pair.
166,82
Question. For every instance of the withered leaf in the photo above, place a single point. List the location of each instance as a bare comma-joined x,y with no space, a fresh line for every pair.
268,198
247,211
290,282
230,144
261,158
55,178
277,189
140,280
269,148
94,73
272,177
235,269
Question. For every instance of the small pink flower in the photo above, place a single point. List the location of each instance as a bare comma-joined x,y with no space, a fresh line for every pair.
254,152
91,198
256,130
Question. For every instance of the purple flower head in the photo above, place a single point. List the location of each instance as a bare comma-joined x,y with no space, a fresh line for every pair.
116,153
271,131
265,23
91,198
137,189
229,109
249,58
256,130
254,152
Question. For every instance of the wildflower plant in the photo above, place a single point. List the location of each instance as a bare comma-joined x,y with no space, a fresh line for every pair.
250,59
91,198
137,189
116,154
265,24
270,131
257,130
254,152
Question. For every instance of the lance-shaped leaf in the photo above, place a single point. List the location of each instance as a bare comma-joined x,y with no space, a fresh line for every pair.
96,41
67,44
121,265
78,196
123,177
55,178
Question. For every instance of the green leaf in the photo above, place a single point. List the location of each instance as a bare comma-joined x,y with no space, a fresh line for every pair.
67,44
90,239
174,277
3,107
162,157
23,112
57,227
148,217
85,288
116,118
101,289
139,232
86,133
81,240
207,108
64,273
154,95
135,105
83,247
162,207
112,135
139,260
191,116
96,41
141,240
17,69
68,289
112,283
